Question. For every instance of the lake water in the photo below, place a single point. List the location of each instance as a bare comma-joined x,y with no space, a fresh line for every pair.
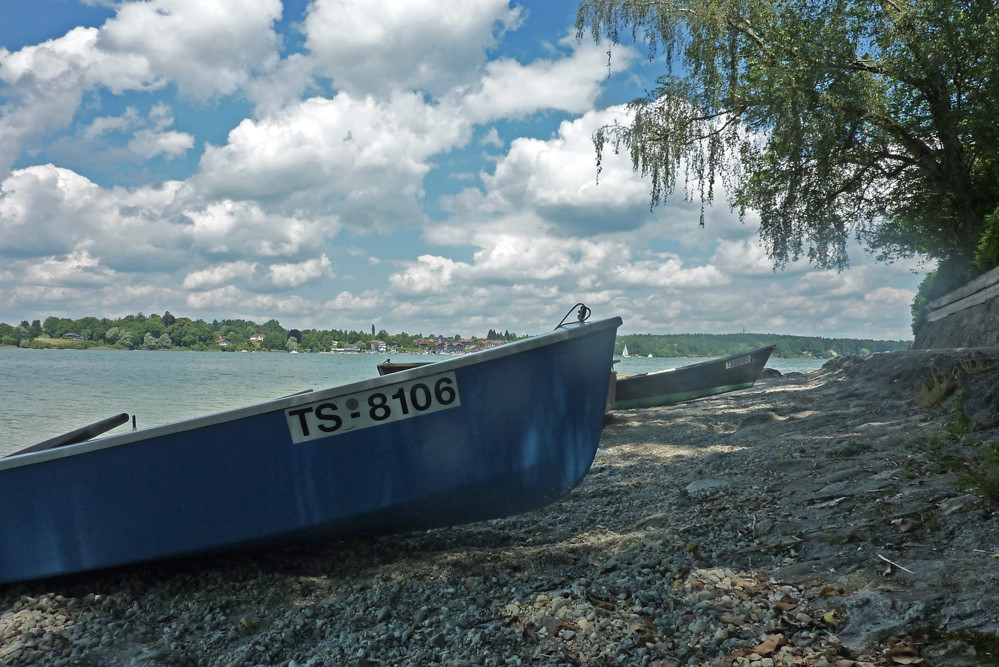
44,393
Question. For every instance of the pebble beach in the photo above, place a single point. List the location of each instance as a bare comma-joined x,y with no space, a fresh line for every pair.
800,522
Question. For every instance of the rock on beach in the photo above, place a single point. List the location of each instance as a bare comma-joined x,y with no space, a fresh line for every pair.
809,520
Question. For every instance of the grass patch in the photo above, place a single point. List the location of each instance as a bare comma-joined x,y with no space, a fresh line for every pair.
43,343
975,464
942,384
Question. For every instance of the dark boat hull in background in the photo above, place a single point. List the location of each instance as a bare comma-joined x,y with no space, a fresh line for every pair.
715,376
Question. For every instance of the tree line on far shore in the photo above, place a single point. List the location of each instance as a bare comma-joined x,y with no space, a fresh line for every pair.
159,332
723,345
163,332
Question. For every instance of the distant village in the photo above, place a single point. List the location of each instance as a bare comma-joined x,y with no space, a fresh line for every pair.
437,345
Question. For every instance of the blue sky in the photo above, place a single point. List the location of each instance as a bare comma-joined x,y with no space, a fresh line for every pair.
420,165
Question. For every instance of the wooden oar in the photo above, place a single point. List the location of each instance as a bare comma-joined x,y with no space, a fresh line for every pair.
79,435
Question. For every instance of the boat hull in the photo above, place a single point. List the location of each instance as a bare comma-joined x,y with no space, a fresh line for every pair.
483,436
389,367
686,383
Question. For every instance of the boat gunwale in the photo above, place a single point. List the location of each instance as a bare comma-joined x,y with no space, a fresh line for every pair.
567,332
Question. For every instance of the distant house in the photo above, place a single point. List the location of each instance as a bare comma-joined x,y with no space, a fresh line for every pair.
222,342
257,338
438,344
72,336
377,345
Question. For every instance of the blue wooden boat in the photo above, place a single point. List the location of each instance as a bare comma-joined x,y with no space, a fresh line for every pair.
476,437
707,378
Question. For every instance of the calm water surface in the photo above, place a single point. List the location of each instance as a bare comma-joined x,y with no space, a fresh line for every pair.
44,393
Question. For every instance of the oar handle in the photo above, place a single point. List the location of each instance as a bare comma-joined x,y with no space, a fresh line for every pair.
78,435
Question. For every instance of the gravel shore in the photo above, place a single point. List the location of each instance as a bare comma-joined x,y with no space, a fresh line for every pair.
806,521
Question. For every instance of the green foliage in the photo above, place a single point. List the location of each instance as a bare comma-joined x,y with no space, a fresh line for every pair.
831,120
11,335
987,252
274,341
951,274
960,424
721,345
151,342
126,341
952,449
921,302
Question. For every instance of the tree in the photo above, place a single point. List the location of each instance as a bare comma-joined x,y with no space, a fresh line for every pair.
126,340
89,327
830,119
162,342
274,341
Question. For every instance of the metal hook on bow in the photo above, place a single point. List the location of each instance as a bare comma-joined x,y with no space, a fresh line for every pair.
582,315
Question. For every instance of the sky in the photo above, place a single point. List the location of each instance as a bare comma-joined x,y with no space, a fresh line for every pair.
418,165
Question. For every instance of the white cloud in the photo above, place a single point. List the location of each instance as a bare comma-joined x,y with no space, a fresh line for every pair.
205,48
77,269
104,125
889,295
557,178
492,138
338,154
33,203
668,272
744,258
244,229
382,46
218,275
368,302
429,274
130,137
148,144
45,84
67,64
284,83
231,299
509,89
47,210
293,275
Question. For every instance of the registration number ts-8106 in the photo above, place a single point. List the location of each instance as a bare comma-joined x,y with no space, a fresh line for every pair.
351,412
